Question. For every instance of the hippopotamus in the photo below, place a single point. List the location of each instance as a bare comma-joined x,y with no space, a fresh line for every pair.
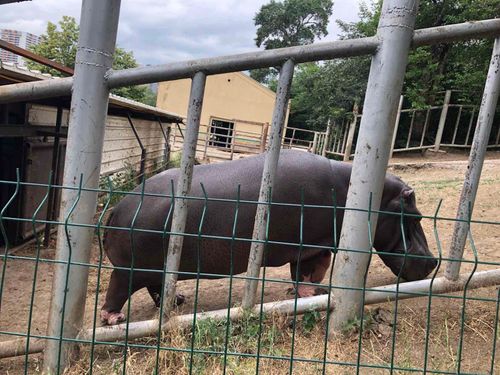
301,177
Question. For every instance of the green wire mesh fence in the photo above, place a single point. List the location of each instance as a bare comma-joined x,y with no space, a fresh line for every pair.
449,329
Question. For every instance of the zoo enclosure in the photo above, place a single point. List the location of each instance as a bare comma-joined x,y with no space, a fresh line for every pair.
449,124
92,81
33,139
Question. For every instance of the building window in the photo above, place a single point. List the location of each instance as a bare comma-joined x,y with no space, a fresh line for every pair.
221,133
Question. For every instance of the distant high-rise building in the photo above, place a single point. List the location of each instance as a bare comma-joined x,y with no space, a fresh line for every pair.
19,38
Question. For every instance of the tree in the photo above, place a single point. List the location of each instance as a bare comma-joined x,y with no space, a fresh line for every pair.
60,44
289,23
443,66
327,91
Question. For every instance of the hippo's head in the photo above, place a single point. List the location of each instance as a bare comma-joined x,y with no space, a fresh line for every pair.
389,238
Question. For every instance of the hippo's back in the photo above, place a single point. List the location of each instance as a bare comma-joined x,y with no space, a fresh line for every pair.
300,176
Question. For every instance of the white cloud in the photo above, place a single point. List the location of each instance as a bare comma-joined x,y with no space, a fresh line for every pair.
160,31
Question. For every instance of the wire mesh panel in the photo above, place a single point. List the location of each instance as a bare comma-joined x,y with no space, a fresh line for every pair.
444,331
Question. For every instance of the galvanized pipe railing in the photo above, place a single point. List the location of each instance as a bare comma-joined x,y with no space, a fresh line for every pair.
476,159
175,243
252,60
375,295
89,106
373,148
141,146
267,182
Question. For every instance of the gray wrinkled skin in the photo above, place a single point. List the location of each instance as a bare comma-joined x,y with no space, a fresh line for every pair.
297,170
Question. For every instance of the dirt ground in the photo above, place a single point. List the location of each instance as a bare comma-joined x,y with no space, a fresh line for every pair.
433,176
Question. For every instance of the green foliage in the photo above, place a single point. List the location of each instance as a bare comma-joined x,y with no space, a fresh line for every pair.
57,45
175,160
289,23
292,22
60,44
210,335
125,180
310,319
354,325
328,90
458,66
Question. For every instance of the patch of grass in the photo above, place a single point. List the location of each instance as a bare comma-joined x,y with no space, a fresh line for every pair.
210,335
310,319
175,160
125,180
354,325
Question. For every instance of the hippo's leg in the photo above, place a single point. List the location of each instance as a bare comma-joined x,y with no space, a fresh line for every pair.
155,293
311,270
116,296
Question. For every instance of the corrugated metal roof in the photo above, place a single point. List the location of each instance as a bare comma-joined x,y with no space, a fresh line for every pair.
15,74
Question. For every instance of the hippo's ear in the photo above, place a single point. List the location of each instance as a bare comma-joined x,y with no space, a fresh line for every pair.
407,193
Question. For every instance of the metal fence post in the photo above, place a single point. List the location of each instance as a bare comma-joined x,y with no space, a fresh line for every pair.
182,190
442,120
315,143
396,125
328,134
263,141
476,159
166,137
98,26
385,82
233,141
268,175
350,134
142,165
50,215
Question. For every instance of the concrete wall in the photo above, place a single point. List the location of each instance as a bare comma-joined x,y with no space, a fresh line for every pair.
231,96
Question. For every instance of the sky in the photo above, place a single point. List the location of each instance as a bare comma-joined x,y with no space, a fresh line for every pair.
162,31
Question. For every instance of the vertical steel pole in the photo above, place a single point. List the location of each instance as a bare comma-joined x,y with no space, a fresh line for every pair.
425,128
396,124
327,137
395,31
50,215
268,175
182,190
456,125
442,120
476,159
470,127
142,166
350,134
344,136
166,136
233,141
263,140
207,139
315,143
89,104
293,137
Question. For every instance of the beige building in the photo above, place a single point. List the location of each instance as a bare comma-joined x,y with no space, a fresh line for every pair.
236,109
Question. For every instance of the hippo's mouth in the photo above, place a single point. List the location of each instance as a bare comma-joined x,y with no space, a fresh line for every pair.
416,265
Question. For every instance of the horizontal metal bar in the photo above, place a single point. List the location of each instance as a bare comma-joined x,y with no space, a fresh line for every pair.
299,54
244,61
251,60
37,58
413,148
22,130
287,307
453,33
49,88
